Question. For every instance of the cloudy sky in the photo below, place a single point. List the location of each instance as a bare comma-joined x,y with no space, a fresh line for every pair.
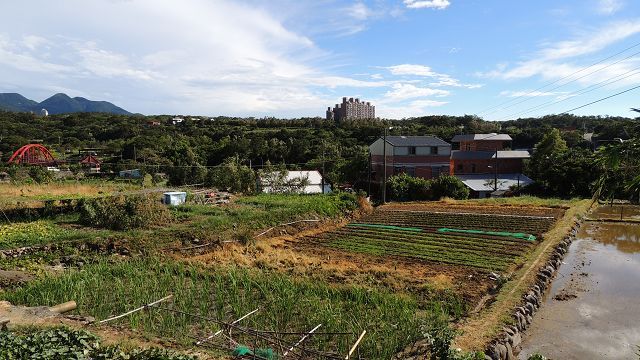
499,59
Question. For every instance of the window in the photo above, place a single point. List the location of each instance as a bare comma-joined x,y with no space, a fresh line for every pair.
460,167
434,150
412,150
435,171
411,171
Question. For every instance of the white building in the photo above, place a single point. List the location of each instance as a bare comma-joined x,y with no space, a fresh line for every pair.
311,183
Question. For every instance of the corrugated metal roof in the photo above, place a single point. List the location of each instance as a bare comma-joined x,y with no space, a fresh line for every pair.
485,182
479,155
470,137
426,140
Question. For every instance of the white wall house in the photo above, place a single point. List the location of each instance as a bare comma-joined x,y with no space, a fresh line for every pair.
312,178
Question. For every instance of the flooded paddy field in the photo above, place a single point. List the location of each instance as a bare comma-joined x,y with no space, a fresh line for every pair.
592,309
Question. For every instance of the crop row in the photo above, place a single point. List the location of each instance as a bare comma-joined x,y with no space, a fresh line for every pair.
534,225
467,250
435,240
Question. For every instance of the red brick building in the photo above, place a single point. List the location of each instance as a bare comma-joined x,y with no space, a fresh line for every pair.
420,156
485,164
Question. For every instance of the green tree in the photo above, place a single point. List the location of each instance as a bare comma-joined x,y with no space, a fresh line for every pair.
619,166
233,176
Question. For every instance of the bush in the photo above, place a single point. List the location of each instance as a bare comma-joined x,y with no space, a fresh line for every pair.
407,188
123,212
233,176
448,186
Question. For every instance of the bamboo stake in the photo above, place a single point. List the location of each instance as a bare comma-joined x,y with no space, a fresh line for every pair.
136,310
353,348
301,340
285,224
263,336
221,330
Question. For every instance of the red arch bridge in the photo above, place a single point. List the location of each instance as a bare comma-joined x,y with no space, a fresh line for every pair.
33,154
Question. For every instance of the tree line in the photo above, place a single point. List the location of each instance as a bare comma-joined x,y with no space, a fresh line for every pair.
206,150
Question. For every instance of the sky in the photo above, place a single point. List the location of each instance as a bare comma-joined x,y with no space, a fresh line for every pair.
498,59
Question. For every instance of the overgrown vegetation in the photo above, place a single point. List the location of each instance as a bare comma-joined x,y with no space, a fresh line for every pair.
65,343
108,288
123,212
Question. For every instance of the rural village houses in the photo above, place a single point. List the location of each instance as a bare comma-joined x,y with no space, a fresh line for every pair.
483,162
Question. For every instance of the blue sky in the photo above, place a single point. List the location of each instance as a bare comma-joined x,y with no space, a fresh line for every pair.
286,58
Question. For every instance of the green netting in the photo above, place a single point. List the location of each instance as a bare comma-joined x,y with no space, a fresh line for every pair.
242,350
522,236
390,227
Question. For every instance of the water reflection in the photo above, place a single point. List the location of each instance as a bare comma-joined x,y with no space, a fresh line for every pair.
613,212
625,237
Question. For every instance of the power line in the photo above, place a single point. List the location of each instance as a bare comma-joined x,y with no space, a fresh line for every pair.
571,95
597,101
556,81
569,82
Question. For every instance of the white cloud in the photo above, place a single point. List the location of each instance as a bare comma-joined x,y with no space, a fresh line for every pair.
591,42
408,91
426,71
359,11
555,61
405,110
609,7
412,69
432,4
205,57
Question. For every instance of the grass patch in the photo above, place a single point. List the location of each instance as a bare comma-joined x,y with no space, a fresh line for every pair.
104,289
34,233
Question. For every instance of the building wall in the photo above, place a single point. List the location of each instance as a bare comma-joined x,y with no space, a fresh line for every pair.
505,166
483,145
424,166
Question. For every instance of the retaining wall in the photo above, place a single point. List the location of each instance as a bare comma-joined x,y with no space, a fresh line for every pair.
508,344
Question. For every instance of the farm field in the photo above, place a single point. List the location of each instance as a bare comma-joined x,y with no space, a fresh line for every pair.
402,270
483,240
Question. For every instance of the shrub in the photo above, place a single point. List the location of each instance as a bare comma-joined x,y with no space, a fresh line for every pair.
407,188
123,212
448,186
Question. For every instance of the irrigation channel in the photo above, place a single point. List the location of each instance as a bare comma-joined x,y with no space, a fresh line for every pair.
592,310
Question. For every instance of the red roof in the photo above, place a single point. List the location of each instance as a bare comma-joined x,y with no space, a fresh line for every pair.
90,160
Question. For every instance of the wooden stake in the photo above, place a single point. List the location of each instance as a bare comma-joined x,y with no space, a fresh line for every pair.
221,330
136,310
301,340
353,348
64,307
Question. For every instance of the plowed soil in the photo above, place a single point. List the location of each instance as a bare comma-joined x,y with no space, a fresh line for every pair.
442,206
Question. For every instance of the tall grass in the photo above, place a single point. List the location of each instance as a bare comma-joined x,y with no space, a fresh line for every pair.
286,305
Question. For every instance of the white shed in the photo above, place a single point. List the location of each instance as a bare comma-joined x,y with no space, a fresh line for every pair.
175,198
312,178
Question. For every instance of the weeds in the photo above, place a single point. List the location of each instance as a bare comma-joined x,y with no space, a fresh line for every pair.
123,212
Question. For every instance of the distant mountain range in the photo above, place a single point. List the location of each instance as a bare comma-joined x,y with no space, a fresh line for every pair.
57,104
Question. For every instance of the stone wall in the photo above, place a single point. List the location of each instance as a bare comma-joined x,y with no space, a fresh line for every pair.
507,345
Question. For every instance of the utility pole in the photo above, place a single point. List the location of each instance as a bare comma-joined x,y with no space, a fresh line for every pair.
369,175
384,176
495,179
323,147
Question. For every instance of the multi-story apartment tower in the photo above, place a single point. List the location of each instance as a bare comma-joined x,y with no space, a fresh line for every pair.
351,109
